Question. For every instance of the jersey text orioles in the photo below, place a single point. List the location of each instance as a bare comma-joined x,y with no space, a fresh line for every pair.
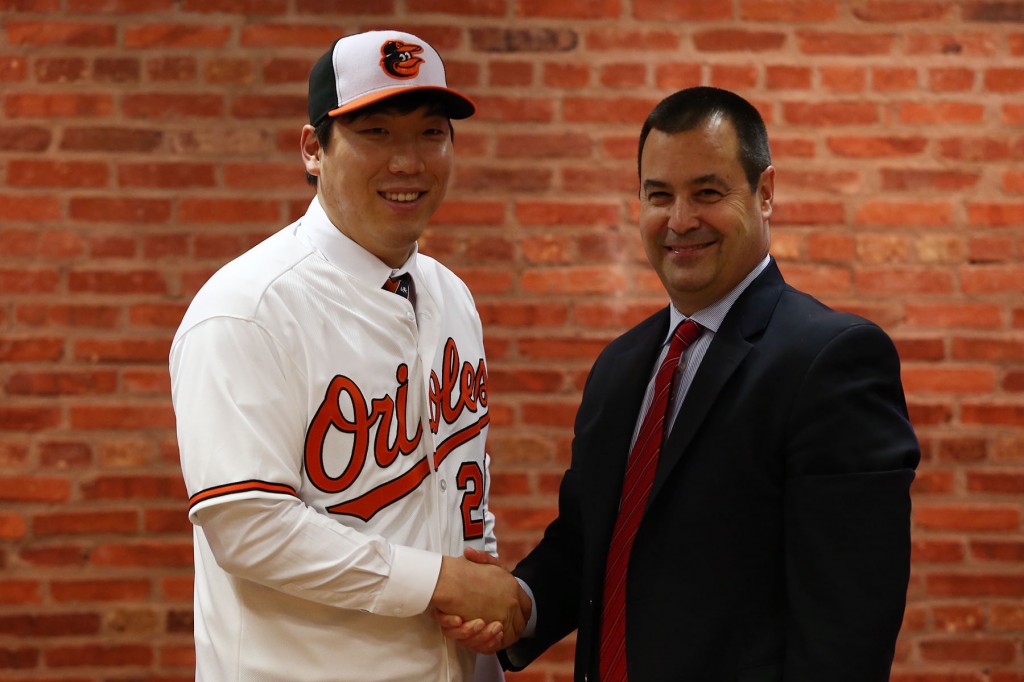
461,387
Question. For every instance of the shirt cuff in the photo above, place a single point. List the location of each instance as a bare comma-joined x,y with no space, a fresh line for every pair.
410,586
531,624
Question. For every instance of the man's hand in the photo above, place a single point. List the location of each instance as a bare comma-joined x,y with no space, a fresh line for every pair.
478,603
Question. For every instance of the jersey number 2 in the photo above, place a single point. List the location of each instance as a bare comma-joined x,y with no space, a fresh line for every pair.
470,479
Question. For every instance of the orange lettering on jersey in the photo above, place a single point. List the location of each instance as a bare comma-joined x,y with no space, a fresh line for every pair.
472,385
461,387
329,416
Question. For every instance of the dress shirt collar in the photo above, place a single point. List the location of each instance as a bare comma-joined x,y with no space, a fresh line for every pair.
317,230
711,317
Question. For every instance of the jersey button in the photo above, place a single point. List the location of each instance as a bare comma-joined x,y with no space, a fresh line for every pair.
444,485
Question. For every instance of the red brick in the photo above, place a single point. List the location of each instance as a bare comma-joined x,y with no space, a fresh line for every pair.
788,77
993,413
903,280
110,139
176,35
67,33
920,113
806,11
62,383
34,489
904,214
1004,80
830,113
572,281
975,585
924,179
626,110
132,282
13,68
22,657
982,650
124,655
31,349
84,522
1002,551
122,417
173,69
954,316
228,211
734,76
937,552
951,79
844,79
29,208
12,526
975,44
738,40
958,618
50,625
893,79
555,348
13,591
680,10
147,554
134,488
561,214
883,11
117,210
962,449
64,105
174,106
949,379
478,178
975,517
837,43
674,76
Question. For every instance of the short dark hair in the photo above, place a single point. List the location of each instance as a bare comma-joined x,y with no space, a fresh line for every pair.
405,103
689,108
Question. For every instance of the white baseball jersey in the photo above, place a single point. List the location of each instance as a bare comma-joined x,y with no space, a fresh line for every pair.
298,382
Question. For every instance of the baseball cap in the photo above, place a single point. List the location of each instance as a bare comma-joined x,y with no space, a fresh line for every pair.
364,68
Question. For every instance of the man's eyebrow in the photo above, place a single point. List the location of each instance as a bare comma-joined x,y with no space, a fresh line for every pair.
654,184
710,179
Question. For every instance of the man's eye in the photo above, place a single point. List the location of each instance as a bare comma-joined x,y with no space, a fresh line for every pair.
658,197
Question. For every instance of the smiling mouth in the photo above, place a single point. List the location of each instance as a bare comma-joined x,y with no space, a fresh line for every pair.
402,197
688,248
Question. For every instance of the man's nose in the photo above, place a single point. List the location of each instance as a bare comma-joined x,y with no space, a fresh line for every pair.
406,159
683,215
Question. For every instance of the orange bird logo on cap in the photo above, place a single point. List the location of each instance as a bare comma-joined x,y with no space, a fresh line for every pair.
399,59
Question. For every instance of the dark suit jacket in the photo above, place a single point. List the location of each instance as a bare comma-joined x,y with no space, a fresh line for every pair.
776,542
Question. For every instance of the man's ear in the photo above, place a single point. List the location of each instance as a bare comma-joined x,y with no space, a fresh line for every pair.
311,150
766,191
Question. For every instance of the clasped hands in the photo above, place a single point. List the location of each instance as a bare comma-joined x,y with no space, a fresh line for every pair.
478,603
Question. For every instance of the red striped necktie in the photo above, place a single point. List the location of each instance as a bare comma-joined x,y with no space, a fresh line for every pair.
643,461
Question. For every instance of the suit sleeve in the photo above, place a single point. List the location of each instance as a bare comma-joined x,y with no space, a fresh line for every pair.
850,459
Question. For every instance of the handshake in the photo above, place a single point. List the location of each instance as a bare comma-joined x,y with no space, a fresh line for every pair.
478,603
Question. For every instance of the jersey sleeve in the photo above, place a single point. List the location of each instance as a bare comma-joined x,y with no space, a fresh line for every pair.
285,545
240,411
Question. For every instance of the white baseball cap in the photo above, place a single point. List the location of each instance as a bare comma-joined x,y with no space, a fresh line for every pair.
364,68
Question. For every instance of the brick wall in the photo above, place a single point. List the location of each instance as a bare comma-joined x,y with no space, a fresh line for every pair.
143,143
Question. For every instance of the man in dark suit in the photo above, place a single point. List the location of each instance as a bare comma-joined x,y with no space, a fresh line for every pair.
766,537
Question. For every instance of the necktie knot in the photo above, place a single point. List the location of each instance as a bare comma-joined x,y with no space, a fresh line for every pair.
401,285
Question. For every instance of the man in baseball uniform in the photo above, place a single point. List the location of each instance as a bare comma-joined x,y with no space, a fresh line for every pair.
330,389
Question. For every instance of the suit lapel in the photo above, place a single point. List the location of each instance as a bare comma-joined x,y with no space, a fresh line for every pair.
746,319
622,389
